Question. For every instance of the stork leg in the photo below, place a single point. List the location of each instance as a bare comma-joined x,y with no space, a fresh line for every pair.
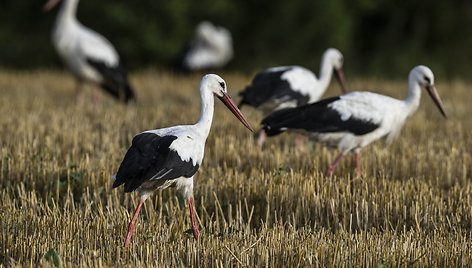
96,95
192,218
335,163
357,158
299,142
133,221
261,136
78,90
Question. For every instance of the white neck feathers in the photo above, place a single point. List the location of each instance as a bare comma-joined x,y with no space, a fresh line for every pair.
68,11
206,112
412,101
326,71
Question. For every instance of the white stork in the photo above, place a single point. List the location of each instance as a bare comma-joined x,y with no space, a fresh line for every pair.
88,55
354,120
212,47
169,157
291,86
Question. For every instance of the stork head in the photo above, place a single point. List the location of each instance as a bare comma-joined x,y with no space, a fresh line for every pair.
425,78
335,58
204,28
215,84
50,5
218,86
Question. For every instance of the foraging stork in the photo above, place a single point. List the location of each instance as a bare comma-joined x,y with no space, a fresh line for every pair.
291,86
169,157
87,54
354,120
212,47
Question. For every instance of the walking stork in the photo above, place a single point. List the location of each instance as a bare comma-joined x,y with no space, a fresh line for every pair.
87,54
291,86
354,120
169,157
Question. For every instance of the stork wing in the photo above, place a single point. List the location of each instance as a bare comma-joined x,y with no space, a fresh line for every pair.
325,116
97,48
150,158
268,86
100,54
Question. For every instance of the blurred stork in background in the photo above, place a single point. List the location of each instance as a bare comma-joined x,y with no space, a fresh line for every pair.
211,48
87,54
354,120
291,86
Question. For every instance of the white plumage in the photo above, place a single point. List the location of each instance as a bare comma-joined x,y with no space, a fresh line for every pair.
303,81
190,142
212,47
90,56
271,88
371,108
75,46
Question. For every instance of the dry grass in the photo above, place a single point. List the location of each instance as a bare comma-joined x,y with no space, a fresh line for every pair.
412,206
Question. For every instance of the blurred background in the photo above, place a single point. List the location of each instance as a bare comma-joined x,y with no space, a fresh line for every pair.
382,38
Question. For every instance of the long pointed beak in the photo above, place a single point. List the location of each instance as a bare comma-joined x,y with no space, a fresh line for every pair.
50,5
226,99
437,100
339,73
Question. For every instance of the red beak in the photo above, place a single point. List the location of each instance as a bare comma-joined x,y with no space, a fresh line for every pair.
226,99
50,5
437,100
339,73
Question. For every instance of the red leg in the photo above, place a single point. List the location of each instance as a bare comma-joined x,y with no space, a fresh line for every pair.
357,157
261,138
192,217
299,141
133,221
335,163
79,91
96,94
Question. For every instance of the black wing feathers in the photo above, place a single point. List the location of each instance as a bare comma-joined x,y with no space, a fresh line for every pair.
268,85
115,80
149,157
316,117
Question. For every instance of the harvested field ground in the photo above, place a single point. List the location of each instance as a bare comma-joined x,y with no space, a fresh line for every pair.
412,206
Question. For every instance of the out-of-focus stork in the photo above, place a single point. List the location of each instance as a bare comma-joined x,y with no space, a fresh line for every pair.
87,54
211,48
291,86
354,120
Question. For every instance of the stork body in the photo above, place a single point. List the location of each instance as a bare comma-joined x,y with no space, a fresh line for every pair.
212,47
291,86
169,157
352,121
87,54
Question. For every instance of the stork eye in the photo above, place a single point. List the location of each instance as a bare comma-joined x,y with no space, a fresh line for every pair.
427,79
222,84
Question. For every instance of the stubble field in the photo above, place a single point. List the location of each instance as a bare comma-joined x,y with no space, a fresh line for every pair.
412,206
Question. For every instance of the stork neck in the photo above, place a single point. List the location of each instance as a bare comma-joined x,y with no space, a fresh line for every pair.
206,113
326,71
412,101
68,11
